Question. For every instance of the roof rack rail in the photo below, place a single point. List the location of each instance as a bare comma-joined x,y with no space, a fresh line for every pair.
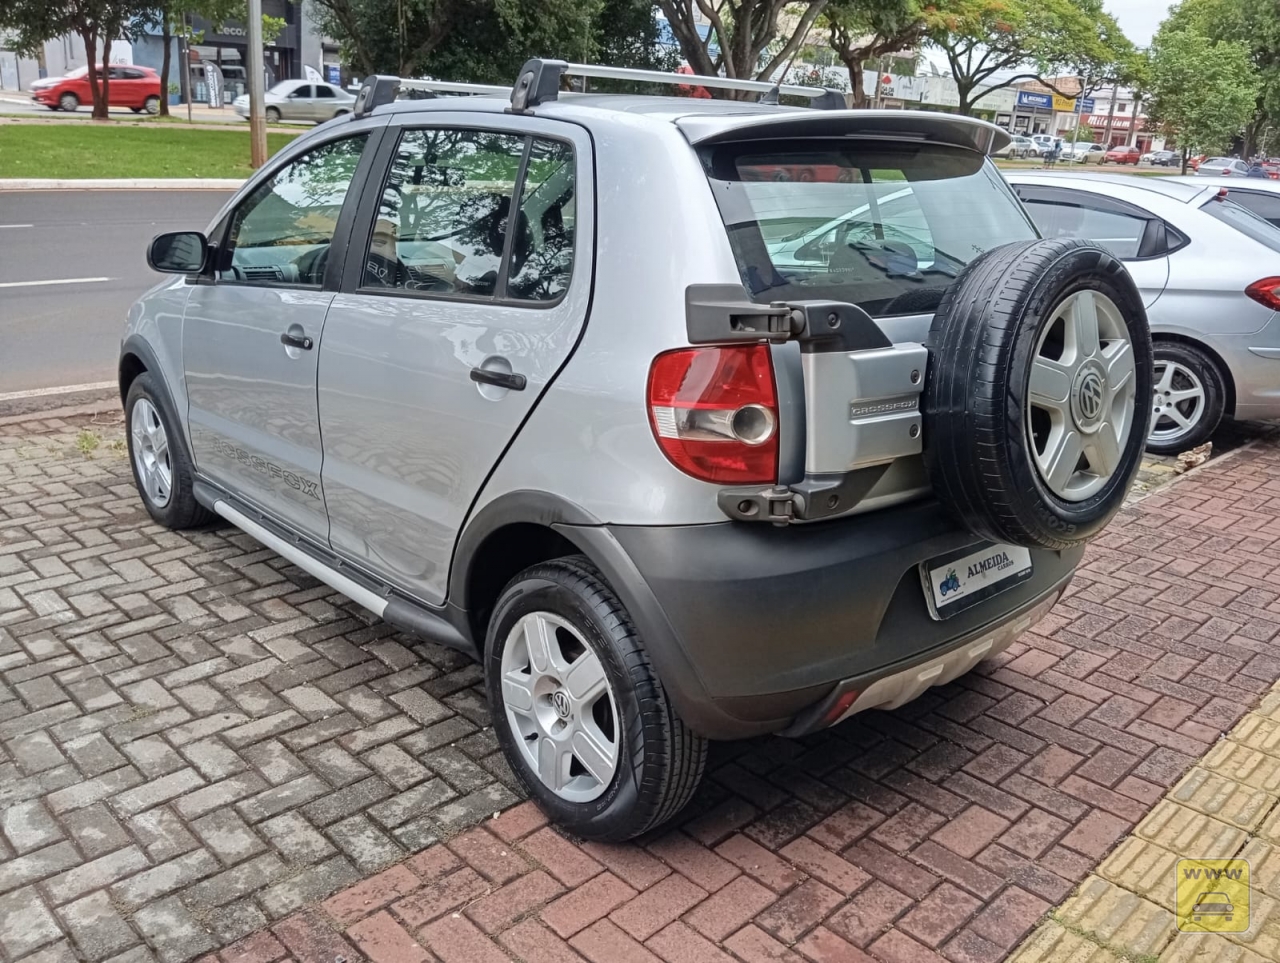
539,82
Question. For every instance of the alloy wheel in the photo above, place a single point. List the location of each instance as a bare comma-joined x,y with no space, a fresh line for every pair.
1080,397
560,707
151,453
1179,401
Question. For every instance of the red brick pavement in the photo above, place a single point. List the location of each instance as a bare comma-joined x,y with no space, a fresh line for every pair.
941,831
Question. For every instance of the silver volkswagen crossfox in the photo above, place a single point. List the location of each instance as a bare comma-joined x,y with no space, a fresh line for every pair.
690,419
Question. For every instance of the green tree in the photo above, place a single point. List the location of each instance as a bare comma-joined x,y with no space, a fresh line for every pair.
993,44
747,35
1202,90
96,22
862,31
473,40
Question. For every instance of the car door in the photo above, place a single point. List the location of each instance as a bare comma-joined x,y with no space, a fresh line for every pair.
325,102
1134,235
301,103
252,326
452,319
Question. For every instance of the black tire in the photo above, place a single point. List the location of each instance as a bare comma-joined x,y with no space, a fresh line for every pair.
273,115
136,110
1207,416
151,105
978,438
661,760
182,510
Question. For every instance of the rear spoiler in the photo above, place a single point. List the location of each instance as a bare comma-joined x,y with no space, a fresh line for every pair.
935,128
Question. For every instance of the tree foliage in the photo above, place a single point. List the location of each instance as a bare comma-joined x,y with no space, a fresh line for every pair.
993,44
866,30
1202,90
746,40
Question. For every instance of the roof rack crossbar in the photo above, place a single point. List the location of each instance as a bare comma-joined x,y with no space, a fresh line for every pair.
449,87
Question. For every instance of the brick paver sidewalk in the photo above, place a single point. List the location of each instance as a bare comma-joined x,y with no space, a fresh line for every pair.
200,743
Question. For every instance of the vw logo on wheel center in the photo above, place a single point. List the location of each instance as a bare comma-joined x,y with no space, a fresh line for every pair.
560,702
1087,397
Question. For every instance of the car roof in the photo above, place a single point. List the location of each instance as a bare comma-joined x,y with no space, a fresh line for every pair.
1182,189
712,121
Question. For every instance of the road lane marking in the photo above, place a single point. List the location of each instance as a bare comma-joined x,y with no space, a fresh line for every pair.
62,390
35,284
12,227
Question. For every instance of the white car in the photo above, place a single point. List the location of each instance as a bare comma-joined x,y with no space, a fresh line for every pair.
1222,167
1018,146
300,100
1209,273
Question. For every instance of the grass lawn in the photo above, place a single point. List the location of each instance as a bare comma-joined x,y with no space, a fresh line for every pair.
108,150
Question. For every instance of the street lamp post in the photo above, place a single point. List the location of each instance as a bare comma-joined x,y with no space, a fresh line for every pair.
256,80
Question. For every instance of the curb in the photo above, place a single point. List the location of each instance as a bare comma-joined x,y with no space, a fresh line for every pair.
125,184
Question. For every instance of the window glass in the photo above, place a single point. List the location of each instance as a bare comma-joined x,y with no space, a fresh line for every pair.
542,247
323,90
886,226
1266,206
1121,234
134,74
1244,221
301,92
281,233
442,222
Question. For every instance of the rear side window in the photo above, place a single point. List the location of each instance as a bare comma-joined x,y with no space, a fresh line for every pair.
1266,206
887,226
1244,221
1119,233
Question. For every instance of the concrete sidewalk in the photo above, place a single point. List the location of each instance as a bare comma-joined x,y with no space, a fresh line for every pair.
203,751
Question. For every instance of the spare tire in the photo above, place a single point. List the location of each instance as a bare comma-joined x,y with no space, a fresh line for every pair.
1038,396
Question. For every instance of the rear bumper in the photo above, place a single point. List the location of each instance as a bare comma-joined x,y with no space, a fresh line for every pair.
756,628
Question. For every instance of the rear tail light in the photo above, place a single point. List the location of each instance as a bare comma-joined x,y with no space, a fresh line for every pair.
714,412
1266,292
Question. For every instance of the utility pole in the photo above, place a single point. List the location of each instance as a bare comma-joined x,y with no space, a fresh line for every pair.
256,79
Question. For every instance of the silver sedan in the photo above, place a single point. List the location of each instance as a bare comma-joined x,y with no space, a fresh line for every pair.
300,100
1209,273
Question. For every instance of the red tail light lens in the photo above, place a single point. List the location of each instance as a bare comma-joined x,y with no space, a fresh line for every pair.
714,412
1265,292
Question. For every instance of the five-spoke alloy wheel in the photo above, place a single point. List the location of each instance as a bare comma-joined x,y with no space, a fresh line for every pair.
1188,398
158,455
151,453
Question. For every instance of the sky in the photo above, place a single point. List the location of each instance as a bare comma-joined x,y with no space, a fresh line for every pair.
1139,18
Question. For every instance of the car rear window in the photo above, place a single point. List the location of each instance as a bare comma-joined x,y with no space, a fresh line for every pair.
1244,221
885,225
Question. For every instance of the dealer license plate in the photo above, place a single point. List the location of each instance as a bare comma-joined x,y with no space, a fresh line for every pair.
953,583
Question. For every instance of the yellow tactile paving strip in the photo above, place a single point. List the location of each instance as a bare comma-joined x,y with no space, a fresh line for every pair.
1226,806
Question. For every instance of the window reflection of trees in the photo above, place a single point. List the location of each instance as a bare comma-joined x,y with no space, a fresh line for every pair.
542,257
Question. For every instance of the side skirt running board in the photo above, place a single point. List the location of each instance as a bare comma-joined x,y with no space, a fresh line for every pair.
405,614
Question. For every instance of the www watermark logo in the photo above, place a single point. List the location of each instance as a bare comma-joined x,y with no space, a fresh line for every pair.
1212,895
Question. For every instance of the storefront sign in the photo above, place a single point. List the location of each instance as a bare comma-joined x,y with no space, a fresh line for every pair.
1065,104
1027,98
1100,120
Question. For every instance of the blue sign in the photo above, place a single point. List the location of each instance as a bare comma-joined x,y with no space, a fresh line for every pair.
1039,101
334,72
1086,105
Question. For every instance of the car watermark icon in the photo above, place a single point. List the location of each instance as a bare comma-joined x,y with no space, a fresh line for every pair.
1212,895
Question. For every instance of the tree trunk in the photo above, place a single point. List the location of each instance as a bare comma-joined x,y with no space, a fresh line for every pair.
1185,154
166,37
966,105
102,109
91,60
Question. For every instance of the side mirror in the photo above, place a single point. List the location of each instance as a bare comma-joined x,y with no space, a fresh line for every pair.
179,252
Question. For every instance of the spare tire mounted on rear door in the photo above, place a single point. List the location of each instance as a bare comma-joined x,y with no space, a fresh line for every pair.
1039,393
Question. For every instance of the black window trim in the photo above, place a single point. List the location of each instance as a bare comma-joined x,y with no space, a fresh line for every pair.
1155,234
338,244
353,273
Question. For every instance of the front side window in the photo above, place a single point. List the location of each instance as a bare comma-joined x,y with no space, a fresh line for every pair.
1119,233
282,231
885,225
441,225
301,93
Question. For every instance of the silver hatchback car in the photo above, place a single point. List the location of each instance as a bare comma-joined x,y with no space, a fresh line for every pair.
1209,272
545,377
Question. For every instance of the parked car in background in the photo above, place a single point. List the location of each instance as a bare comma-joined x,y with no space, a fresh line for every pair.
1209,273
1165,158
1018,147
1222,167
137,88
1081,153
300,100
1122,155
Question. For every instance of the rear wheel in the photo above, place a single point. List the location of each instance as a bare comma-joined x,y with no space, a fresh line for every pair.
68,101
1189,397
151,105
578,709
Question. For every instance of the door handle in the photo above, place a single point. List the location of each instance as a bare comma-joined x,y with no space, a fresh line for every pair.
499,379
296,341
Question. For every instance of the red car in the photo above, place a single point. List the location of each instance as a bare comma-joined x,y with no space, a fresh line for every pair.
1122,155
137,88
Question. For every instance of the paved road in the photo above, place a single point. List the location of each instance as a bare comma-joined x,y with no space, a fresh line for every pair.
61,333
